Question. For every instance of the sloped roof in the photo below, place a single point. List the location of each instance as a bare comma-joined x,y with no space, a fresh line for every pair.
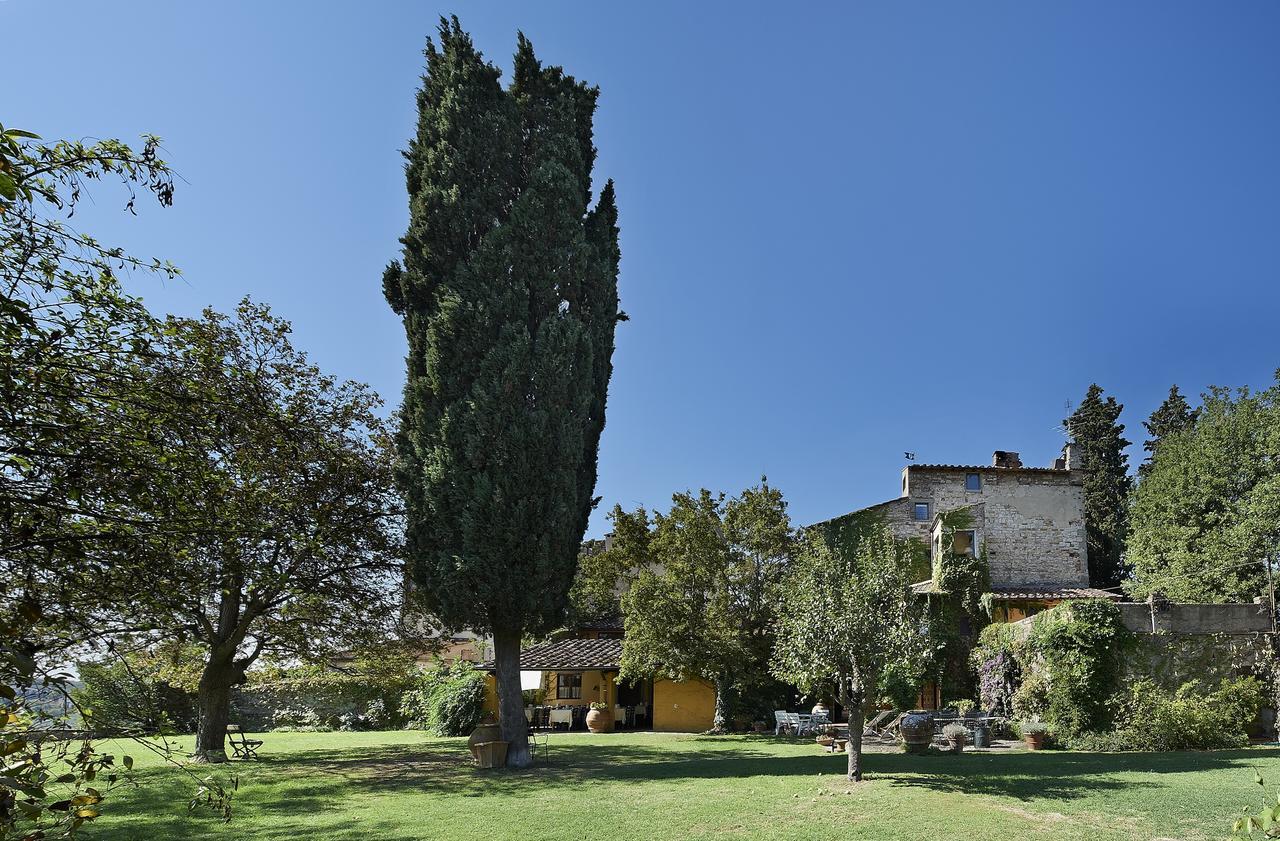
1029,592
569,655
974,468
1041,591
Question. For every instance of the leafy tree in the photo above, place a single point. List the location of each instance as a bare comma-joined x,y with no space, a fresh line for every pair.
706,583
1206,517
1174,415
849,617
1095,427
74,427
508,291
74,420
278,493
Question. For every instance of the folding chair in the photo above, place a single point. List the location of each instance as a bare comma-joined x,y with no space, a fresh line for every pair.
242,747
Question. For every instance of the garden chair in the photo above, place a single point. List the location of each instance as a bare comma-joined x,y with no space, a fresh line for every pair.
539,740
803,722
877,725
781,722
242,747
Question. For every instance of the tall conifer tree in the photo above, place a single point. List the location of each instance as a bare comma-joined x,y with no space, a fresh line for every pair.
1174,415
1095,426
508,292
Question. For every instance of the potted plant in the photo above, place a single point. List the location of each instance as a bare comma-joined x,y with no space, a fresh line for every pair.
956,735
1033,733
760,726
599,717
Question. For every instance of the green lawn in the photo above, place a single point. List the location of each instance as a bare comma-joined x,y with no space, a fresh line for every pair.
645,787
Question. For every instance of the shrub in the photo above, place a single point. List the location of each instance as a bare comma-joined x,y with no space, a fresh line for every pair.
955,732
298,720
962,706
900,685
1031,728
129,697
1154,719
1032,698
1080,646
448,699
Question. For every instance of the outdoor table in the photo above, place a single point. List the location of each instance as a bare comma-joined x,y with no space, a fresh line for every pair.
562,716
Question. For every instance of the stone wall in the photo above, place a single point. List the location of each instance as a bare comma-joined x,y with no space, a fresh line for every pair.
1141,618
1031,523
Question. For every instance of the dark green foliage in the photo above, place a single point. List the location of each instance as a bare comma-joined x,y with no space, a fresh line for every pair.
1192,718
448,699
508,290
1174,415
1078,648
126,697
1206,516
959,608
704,591
1095,427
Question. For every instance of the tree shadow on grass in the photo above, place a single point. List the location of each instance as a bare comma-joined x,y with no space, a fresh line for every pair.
282,787
1051,774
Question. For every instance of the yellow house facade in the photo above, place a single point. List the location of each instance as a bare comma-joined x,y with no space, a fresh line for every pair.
577,672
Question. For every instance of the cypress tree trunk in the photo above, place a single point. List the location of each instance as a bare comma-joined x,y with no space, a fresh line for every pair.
511,720
724,687
215,709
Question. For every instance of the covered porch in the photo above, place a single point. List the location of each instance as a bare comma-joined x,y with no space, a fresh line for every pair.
562,678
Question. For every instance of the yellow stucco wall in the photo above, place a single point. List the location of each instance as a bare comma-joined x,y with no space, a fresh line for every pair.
490,696
686,706
596,686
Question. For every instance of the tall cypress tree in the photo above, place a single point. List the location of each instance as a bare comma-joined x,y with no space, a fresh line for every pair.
508,292
1095,426
1172,416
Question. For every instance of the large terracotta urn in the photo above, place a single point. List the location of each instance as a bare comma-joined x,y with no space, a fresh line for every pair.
916,728
487,731
600,720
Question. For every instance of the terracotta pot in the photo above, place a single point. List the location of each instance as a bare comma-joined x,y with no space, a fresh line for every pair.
491,754
957,745
488,731
1034,741
916,728
600,721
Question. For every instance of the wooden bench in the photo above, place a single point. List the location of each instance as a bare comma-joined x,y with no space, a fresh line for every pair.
242,747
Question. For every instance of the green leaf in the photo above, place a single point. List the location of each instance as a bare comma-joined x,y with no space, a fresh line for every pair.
8,188
17,132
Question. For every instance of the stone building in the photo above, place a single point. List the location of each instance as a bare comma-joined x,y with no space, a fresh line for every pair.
1029,521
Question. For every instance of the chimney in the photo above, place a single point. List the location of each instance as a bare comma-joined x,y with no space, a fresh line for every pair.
1006,459
1073,456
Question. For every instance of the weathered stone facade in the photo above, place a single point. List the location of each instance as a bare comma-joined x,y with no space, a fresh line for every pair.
1029,520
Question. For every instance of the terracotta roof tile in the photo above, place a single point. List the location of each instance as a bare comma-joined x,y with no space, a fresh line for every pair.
569,655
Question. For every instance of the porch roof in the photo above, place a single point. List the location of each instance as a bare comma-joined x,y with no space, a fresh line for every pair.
569,655
1030,592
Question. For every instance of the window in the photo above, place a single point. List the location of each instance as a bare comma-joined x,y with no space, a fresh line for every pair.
922,511
568,685
972,482
962,542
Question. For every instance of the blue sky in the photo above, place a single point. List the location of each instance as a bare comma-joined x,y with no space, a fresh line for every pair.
848,230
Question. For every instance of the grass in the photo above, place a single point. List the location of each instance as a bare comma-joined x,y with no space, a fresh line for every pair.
398,786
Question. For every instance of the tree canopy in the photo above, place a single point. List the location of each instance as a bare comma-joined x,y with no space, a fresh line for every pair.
846,618
1206,516
704,588
1095,427
507,287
